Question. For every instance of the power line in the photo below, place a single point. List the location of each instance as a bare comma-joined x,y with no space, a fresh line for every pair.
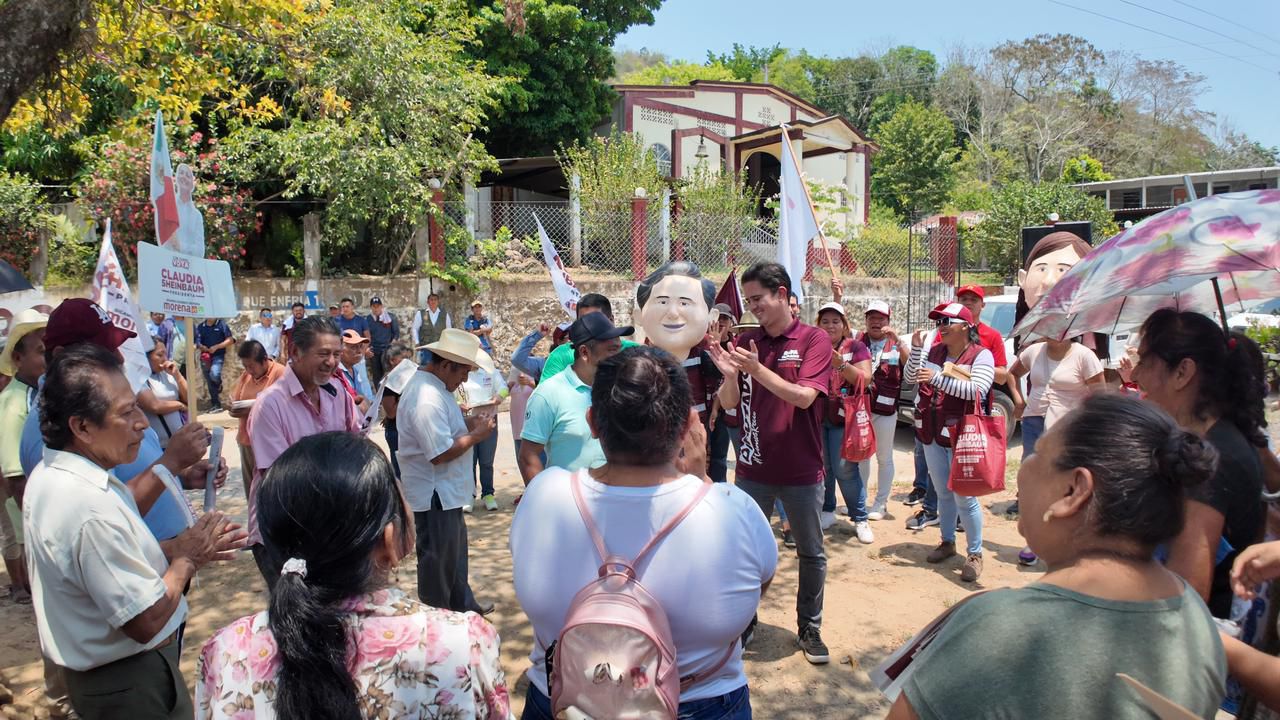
1199,26
1229,21
1161,34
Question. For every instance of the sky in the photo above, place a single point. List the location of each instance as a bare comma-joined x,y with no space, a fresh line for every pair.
1245,91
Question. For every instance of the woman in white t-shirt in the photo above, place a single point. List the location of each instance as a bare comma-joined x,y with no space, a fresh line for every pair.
708,574
164,396
1062,374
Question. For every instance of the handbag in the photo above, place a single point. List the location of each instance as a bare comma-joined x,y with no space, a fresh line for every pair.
859,436
978,455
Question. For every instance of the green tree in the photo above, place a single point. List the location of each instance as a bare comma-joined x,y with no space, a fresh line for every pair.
1021,204
389,102
23,215
610,169
559,63
1084,168
915,169
746,62
907,74
848,86
679,72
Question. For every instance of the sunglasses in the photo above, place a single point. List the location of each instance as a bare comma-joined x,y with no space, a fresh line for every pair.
949,321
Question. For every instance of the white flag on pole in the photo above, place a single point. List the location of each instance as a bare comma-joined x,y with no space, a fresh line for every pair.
111,292
566,291
797,224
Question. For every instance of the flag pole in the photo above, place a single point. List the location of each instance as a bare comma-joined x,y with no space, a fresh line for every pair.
190,351
822,237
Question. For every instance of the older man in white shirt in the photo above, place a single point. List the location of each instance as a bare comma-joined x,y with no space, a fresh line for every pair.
266,333
435,455
108,598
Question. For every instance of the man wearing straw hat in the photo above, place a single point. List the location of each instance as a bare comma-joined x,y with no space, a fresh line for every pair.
435,466
23,360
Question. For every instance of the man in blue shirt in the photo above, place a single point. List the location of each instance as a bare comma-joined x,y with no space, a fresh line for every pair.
477,324
213,337
348,319
78,320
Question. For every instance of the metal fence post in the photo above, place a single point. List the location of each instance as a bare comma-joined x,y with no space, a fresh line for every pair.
639,232
664,230
575,221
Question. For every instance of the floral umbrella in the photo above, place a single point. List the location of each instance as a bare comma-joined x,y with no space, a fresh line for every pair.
1223,250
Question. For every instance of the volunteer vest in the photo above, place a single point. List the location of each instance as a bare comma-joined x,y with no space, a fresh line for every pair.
937,413
430,331
837,388
886,378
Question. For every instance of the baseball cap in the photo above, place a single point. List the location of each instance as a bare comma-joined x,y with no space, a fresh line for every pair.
878,306
477,302
375,300
80,320
951,310
832,306
595,326
975,289
351,337
560,332
333,306
726,311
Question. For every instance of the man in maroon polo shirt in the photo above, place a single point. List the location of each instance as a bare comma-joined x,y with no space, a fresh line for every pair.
774,375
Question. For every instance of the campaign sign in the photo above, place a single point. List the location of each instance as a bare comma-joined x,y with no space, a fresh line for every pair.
177,284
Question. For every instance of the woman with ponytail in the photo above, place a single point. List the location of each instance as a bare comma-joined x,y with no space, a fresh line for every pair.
1106,486
339,642
1206,380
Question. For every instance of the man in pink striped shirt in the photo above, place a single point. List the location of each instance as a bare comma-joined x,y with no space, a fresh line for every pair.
304,401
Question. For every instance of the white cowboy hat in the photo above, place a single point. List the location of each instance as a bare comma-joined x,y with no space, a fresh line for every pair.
460,346
23,324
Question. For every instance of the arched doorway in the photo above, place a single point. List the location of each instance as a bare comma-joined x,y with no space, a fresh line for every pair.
764,172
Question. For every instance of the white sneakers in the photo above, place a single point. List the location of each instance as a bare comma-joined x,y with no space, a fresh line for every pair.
863,530
466,508
877,513
828,519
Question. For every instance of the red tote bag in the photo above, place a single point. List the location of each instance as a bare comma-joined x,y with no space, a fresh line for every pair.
978,455
859,437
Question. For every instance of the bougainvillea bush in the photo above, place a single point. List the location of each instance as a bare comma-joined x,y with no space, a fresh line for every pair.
118,185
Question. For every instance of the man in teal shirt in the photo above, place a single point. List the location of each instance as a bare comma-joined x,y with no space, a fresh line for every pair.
555,417
562,356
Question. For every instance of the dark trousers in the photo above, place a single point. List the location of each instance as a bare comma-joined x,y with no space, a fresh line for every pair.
482,455
392,435
803,505
376,370
733,705
442,558
718,451
213,377
146,686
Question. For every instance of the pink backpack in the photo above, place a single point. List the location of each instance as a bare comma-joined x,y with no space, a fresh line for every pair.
615,657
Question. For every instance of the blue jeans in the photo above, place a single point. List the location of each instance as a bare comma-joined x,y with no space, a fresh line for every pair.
718,451
213,377
482,457
734,705
1032,429
950,504
930,503
839,470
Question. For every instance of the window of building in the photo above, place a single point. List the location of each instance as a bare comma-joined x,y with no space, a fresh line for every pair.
1224,188
1131,199
662,156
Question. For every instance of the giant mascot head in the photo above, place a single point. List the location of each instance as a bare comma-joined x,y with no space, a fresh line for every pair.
1044,266
676,307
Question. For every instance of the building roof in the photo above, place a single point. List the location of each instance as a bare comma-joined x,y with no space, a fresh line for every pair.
835,122
1176,179
712,84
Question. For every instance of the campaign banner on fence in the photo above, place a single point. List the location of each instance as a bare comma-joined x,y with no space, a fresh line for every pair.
111,292
177,284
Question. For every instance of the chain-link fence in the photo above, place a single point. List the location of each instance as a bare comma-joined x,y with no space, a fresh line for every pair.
913,268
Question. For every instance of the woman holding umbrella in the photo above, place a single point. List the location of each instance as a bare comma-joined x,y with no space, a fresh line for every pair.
1202,376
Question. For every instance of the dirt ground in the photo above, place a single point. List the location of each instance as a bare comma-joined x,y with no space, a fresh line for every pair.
877,597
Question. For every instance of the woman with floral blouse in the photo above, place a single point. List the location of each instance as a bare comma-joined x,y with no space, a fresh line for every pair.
338,641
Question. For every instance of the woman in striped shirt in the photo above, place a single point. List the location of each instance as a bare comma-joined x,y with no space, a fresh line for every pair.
952,375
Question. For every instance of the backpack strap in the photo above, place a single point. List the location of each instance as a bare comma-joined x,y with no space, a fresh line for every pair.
598,539
689,681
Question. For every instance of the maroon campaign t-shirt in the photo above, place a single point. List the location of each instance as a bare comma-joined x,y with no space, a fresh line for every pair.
782,444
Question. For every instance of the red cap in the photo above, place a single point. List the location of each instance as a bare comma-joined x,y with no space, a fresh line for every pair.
80,320
975,289
951,310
